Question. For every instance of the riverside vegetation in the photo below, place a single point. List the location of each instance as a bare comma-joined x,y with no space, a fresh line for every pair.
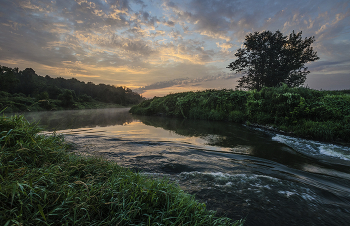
43,183
26,91
304,112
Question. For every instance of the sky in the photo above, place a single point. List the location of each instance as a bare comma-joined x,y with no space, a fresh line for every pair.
157,47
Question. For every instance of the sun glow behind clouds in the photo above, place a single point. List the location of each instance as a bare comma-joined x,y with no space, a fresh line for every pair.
138,44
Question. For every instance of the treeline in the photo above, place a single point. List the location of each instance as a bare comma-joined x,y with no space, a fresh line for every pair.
321,115
25,90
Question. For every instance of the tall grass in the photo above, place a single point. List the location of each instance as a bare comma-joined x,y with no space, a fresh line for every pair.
321,115
41,183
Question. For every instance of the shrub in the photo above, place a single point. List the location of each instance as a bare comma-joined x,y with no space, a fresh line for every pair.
319,130
216,115
237,116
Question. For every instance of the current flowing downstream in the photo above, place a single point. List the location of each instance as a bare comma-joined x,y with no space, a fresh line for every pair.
265,177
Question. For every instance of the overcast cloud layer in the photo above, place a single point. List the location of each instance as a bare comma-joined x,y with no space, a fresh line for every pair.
155,47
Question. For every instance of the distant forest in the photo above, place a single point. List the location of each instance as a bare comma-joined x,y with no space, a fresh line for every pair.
21,90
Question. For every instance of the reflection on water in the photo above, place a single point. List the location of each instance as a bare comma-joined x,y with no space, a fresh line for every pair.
264,177
74,119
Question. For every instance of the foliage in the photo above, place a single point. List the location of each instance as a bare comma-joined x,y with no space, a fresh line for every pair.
19,102
41,183
46,93
66,98
269,59
322,115
8,78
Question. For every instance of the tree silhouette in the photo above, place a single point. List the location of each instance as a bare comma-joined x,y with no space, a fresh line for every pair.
66,98
68,91
7,78
269,59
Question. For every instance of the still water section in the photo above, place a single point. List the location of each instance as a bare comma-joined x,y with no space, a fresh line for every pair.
266,178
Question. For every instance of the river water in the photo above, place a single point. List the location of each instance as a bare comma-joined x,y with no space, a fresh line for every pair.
264,177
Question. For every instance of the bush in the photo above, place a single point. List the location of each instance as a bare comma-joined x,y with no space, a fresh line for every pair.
66,98
198,113
216,115
319,130
237,116
85,98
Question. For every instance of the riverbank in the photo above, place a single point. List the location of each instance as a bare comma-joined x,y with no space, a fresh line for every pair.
10,103
44,183
302,112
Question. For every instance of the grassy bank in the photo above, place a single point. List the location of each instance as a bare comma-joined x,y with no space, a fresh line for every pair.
320,115
41,183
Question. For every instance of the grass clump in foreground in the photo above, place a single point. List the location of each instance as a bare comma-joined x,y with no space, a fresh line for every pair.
44,184
308,113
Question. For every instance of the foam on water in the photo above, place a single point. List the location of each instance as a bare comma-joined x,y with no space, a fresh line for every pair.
251,183
335,151
306,194
287,193
219,176
315,148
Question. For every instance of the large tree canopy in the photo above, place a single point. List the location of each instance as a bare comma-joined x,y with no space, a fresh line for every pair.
269,59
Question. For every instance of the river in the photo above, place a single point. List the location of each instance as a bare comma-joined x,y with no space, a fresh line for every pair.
264,177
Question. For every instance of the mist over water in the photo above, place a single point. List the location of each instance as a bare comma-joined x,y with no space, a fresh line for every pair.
264,177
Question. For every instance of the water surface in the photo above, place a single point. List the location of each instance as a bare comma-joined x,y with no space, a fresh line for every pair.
264,177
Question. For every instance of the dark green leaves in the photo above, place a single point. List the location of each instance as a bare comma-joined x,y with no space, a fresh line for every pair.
269,59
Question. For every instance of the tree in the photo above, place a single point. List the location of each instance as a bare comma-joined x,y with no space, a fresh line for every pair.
66,98
269,59
8,78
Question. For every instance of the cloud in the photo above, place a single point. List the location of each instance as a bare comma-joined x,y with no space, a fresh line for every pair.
138,42
185,82
224,46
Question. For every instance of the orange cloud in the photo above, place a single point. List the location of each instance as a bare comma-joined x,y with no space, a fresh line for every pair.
216,35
